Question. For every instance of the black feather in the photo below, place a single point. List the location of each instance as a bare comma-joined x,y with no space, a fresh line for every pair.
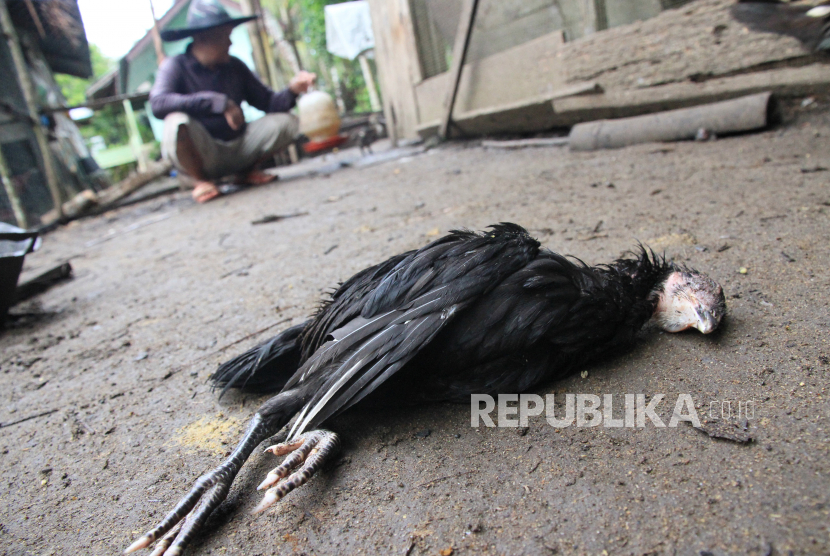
263,368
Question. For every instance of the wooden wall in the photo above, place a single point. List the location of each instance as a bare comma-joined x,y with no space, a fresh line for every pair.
529,70
679,57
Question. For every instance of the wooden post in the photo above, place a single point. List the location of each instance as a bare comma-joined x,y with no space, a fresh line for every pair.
285,51
273,72
338,92
157,36
275,78
601,14
31,103
135,137
322,69
14,200
374,99
257,49
459,52
291,35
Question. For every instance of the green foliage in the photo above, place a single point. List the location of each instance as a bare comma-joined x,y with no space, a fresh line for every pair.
74,88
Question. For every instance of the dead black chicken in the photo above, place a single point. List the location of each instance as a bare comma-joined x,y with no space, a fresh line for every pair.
469,313
807,22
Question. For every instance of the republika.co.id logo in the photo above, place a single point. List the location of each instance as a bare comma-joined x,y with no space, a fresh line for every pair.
591,410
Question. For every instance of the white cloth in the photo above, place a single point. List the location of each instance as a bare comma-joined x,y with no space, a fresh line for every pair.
349,29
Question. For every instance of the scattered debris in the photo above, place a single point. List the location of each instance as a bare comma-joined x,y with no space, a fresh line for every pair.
462,474
29,418
704,134
241,271
773,217
268,218
726,431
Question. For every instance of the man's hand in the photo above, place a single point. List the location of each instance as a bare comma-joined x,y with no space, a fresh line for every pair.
301,82
234,115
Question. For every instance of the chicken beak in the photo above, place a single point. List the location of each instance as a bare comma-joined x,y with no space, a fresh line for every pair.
706,321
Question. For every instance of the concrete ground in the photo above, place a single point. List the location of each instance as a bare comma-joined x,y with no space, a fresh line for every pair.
107,418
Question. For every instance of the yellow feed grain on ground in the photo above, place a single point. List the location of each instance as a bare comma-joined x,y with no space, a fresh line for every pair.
671,240
214,434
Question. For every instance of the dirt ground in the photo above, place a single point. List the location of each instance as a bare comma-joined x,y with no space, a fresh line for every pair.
108,419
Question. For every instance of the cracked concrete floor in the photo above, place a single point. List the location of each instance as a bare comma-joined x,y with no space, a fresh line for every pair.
114,362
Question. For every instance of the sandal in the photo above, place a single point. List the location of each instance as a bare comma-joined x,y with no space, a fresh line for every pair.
256,177
205,191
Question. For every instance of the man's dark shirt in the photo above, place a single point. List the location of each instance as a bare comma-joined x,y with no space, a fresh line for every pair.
185,85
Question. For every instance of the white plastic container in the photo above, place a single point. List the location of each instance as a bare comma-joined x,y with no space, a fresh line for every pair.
319,119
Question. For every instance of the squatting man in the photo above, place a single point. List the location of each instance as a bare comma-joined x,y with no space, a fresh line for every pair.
199,93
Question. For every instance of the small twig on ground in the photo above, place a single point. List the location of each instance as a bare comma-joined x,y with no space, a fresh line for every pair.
445,478
29,418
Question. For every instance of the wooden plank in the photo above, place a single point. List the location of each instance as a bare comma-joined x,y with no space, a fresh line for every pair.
523,72
374,100
135,137
529,114
398,67
812,79
133,182
459,51
100,103
11,193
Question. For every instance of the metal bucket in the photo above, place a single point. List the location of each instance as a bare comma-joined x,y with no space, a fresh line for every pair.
15,243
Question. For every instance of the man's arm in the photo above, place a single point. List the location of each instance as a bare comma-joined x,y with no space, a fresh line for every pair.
262,97
165,98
